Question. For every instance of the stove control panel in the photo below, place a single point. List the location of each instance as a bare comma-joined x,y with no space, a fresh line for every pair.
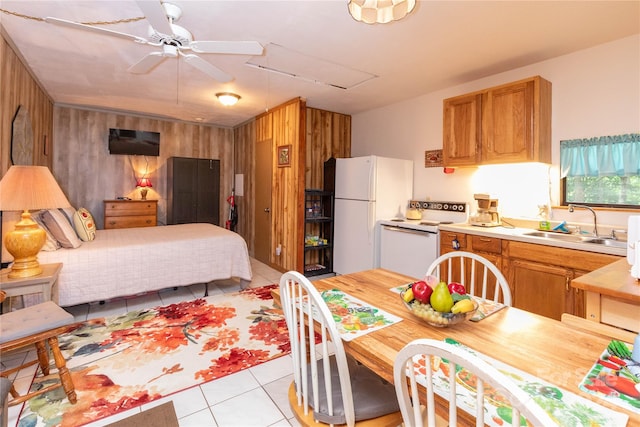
438,205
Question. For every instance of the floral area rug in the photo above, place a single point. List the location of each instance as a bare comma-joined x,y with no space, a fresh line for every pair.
121,362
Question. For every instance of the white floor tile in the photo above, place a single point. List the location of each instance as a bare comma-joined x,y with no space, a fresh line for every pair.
228,387
199,419
235,411
281,423
272,370
112,308
185,403
278,391
144,301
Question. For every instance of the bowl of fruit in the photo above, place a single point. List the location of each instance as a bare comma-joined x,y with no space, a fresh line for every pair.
442,305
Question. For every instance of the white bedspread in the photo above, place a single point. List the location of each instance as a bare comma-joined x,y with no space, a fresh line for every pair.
128,261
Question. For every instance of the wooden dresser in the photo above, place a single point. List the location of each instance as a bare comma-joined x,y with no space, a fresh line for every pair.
130,213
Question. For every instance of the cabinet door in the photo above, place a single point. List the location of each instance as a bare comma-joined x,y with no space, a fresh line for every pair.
540,288
507,123
462,130
208,191
578,299
182,189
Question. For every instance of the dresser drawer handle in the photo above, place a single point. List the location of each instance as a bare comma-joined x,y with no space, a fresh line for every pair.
148,221
112,223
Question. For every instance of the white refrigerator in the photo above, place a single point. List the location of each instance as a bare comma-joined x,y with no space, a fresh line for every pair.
367,189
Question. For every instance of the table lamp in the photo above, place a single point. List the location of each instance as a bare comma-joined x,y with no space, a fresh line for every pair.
144,184
25,188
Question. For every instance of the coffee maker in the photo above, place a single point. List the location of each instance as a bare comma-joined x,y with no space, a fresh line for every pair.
487,214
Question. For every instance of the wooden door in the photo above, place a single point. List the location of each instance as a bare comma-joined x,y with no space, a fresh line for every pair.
540,289
462,130
507,123
262,213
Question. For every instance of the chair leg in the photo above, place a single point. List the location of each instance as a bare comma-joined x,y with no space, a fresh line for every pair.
43,357
63,372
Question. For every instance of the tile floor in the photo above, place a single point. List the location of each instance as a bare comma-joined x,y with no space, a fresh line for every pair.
256,397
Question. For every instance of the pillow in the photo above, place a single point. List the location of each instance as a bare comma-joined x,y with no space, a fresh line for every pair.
84,224
51,244
61,229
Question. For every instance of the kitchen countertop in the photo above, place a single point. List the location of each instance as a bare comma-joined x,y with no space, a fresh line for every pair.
518,234
614,280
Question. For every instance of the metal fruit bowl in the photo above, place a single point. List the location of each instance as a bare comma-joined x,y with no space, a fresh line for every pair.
435,318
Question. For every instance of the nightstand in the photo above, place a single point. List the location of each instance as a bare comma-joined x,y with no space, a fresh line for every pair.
130,213
42,283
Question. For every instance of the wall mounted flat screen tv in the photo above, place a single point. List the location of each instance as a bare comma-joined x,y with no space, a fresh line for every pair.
134,142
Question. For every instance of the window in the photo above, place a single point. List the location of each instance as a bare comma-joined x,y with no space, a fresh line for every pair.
602,171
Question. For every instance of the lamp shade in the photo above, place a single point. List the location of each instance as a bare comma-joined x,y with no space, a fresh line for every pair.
144,183
30,188
380,11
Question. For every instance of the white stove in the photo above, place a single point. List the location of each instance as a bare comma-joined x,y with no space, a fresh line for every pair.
409,246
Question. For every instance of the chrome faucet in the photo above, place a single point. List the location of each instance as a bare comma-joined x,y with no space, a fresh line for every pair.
595,221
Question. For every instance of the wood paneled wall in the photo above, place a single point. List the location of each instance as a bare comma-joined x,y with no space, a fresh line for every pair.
18,87
88,174
327,135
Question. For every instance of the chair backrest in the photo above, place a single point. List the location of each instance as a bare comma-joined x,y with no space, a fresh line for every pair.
308,317
472,270
407,379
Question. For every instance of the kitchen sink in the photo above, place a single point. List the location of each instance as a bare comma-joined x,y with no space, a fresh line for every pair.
555,236
606,242
578,239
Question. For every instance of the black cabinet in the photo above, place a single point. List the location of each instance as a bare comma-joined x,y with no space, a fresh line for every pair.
318,230
193,190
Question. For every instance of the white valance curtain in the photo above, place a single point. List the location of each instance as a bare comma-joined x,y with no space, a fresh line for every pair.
617,155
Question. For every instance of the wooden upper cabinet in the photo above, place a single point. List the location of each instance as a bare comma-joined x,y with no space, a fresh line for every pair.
508,124
462,130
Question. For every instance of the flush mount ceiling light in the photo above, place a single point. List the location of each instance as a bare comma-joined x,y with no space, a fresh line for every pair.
380,11
227,98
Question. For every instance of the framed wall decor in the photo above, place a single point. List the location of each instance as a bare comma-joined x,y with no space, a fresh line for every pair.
284,156
432,158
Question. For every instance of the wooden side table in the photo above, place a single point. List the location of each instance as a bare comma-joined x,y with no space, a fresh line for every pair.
42,283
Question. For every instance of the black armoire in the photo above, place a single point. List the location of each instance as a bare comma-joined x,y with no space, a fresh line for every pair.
193,190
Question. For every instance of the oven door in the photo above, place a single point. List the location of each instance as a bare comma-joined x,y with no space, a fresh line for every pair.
407,251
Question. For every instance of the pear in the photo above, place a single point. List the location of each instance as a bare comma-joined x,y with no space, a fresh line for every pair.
441,299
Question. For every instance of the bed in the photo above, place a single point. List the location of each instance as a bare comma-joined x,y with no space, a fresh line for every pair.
129,261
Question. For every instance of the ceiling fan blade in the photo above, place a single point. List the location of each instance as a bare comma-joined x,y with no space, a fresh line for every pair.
207,68
147,63
231,47
78,26
156,15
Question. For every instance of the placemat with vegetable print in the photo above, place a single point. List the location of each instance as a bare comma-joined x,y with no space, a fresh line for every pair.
615,377
566,408
355,317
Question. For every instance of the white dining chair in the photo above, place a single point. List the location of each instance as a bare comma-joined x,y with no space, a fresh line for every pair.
407,379
471,270
335,389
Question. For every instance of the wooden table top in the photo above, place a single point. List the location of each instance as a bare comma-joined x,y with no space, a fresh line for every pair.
614,280
540,346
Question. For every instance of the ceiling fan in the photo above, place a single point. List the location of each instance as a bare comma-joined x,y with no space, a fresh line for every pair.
173,39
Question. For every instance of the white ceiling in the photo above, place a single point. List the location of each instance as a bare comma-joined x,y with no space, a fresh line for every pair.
441,44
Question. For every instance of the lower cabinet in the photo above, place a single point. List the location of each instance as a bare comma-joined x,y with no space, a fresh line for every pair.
539,276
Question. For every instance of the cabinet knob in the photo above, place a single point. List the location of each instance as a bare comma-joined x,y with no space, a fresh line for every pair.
112,223
148,221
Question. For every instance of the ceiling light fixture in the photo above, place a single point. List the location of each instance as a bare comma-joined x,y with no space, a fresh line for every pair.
227,98
380,11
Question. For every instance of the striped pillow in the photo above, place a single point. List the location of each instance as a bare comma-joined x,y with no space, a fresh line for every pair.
51,244
61,228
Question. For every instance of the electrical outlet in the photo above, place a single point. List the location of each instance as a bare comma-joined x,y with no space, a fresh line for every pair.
278,250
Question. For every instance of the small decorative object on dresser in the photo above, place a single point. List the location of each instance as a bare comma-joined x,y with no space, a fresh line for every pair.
130,213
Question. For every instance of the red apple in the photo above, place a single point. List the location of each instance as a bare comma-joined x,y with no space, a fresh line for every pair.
456,288
422,291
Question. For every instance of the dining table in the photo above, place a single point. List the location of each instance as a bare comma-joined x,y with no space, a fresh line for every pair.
542,347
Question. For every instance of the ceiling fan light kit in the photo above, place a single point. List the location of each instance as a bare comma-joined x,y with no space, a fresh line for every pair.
227,98
380,11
